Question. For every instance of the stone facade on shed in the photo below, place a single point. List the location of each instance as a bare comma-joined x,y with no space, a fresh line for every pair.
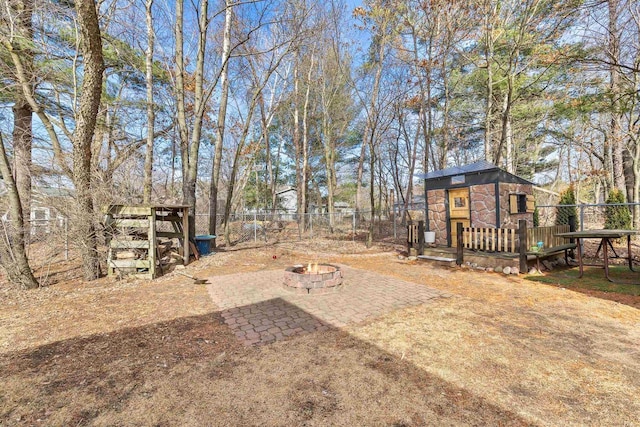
486,208
483,205
438,215
507,219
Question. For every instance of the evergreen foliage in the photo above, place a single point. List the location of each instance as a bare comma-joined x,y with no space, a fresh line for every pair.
567,206
617,217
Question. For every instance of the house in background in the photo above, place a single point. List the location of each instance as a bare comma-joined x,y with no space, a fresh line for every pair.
288,203
47,207
287,199
477,195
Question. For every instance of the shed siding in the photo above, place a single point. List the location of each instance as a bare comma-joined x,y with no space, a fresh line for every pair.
483,205
438,215
508,219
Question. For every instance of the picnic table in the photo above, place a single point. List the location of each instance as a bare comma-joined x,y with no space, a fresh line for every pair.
605,236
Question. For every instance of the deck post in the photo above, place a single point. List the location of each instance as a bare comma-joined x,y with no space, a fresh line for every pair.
572,227
185,237
459,244
420,237
522,234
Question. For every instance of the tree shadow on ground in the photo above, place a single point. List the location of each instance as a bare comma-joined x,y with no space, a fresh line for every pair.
197,370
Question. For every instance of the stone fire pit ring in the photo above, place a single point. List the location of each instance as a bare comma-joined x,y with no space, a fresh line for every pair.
327,279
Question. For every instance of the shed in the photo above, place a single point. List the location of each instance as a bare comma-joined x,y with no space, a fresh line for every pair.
477,195
288,199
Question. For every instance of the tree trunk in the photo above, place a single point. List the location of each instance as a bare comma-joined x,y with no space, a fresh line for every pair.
22,140
222,116
305,141
297,145
488,143
615,132
22,111
93,65
190,146
13,255
360,175
148,161
179,90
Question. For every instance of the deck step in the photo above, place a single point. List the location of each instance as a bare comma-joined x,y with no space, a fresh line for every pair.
436,258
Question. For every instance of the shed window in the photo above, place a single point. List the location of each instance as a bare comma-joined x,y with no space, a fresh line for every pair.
39,214
521,203
460,202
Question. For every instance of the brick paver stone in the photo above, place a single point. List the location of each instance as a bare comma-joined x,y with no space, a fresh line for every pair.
260,310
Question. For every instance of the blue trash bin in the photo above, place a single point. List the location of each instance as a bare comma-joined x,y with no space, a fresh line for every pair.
203,243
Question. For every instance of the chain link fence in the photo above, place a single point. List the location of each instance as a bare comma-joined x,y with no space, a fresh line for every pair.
49,241
588,216
47,244
388,227
288,227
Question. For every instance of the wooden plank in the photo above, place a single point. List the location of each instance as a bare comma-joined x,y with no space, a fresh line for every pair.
185,231
522,233
436,258
131,223
531,203
129,210
493,239
465,238
152,255
513,203
129,244
130,263
513,240
175,218
170,234
459,245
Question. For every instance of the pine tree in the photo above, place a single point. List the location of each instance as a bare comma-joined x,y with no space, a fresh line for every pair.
617,217
567,206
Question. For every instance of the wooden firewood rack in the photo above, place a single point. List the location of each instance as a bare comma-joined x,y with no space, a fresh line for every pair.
133,232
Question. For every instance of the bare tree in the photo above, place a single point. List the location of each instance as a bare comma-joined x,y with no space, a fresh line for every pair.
148,161
190,143
93,65
22,12
222,116
13,256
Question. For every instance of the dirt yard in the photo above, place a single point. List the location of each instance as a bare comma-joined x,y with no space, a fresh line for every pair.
501,351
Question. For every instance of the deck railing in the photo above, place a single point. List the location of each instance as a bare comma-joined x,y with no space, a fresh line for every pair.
490,239
547,235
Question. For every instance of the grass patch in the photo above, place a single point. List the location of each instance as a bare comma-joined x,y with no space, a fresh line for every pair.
594,279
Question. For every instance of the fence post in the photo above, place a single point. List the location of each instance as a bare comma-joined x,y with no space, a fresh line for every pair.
395,226
459,244
582,217
255,227
311,224
572,227
420,237
66,239
353,214
522,234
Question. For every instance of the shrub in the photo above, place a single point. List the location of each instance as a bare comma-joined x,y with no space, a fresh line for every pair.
536,217
567,197
616,217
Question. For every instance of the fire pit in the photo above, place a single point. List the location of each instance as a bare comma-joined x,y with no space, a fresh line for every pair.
314,278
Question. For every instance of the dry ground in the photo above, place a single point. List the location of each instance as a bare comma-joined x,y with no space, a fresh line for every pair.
502,351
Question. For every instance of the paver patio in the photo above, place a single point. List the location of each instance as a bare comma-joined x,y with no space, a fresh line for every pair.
259,310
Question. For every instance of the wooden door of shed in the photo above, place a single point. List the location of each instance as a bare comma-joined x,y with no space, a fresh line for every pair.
459,211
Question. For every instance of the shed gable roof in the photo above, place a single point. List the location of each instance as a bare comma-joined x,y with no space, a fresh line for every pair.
480,166
476,173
